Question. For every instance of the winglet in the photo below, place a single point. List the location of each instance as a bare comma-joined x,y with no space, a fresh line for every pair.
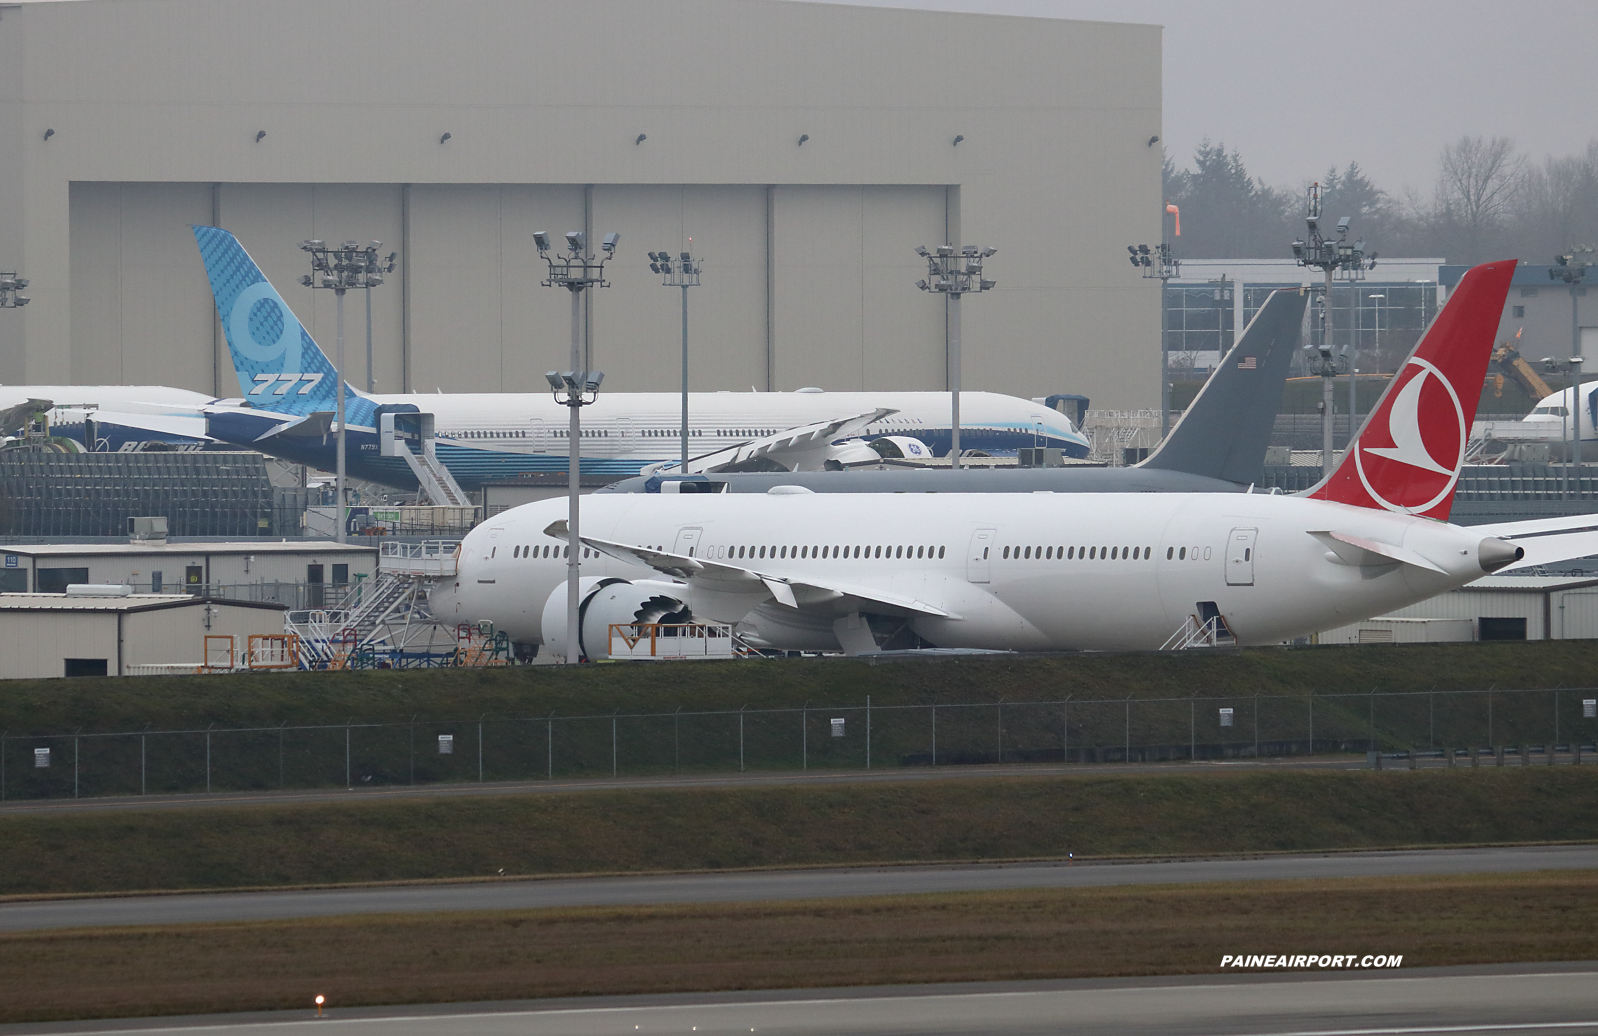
1408,456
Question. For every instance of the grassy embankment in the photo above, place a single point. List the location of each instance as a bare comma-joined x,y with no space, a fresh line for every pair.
517,704
1093,815
1169,930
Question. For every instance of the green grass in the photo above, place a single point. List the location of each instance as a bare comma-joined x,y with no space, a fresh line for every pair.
1092,814
532,719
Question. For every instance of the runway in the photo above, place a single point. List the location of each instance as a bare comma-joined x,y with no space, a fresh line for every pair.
767,885
1474,1001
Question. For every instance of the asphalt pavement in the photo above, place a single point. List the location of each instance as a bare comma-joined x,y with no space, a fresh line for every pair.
745,886
1541,1000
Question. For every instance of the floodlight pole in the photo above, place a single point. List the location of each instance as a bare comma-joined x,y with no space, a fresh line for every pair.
1332,257
1161,263
1572,269
953,271
339,269
682,272
576,388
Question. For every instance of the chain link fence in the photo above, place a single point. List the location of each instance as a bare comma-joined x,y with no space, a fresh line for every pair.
830,737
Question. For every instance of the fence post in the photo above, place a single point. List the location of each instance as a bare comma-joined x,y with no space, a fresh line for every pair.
934,733
1373,720
1490,740
75,740
549,745
480,748
676,741
3,735
208,758
143,754
804,737
612,745
280,726
1256,724
1312,721
868,731
1192,730
1126,748
1000,730
741,737
413,748
347,783
1065,731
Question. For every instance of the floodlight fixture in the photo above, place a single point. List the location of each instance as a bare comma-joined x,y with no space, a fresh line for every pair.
611,241
954,271
541,239
574,240
10,285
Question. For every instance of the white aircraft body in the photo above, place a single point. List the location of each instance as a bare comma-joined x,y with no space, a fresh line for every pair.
863,572
288,396
124,416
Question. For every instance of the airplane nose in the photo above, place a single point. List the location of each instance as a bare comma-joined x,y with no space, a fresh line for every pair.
1493,554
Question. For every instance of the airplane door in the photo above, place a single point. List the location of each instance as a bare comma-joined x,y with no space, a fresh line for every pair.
624,437
979,556
536,436
687,540
1039,436
1240,557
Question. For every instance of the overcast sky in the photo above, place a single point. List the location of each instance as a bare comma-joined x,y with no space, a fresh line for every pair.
1393,80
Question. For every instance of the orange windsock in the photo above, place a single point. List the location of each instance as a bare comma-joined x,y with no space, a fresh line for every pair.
1173,210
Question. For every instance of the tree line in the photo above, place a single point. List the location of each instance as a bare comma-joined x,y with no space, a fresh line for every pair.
1488,201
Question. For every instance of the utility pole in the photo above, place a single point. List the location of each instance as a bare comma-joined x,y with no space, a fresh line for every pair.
953,271
575,388
680,273
1333,258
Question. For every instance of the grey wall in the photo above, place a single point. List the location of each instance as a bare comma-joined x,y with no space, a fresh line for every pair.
809,270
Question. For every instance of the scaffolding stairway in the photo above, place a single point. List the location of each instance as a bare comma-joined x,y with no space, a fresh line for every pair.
387,616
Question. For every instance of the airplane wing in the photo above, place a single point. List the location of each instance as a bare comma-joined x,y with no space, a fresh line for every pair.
792,449
1364,553
158,424
1547,540
720,576
13,418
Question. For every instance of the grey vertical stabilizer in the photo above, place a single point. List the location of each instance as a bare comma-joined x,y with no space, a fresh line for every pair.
1224,433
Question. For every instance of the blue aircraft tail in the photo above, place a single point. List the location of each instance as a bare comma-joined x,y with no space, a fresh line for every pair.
279,364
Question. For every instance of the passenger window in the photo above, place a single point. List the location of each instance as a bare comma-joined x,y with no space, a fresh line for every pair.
1248,554
1007,553
898,552
940,552
985,553
762,551
921,552
1093,553
1070,553
783,552
1182,554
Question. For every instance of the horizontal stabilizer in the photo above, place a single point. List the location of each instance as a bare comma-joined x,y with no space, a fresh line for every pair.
798,593
1364,553
311,426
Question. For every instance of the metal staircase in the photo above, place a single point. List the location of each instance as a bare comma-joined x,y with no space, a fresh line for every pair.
386,620
1212,632
437,483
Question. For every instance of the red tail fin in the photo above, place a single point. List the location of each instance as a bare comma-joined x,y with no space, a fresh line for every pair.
1409,454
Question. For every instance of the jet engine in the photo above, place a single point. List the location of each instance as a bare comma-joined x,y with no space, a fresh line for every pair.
611,601
901,447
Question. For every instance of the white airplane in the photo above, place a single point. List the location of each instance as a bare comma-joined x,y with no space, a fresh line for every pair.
864,572
288,400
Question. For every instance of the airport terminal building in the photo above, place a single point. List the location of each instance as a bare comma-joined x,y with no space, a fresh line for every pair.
805,149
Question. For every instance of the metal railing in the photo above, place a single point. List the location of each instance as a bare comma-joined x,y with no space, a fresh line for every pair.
805,737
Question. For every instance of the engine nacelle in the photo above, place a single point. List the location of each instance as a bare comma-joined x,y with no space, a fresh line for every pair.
603,602
901,447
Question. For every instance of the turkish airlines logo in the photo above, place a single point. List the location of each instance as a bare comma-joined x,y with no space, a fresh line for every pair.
1426,425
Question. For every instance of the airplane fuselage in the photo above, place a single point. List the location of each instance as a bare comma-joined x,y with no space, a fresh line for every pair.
1023,572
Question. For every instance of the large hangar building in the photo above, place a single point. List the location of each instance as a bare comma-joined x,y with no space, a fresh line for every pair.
805,148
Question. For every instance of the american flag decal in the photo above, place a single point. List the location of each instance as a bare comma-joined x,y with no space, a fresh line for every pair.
1247,363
